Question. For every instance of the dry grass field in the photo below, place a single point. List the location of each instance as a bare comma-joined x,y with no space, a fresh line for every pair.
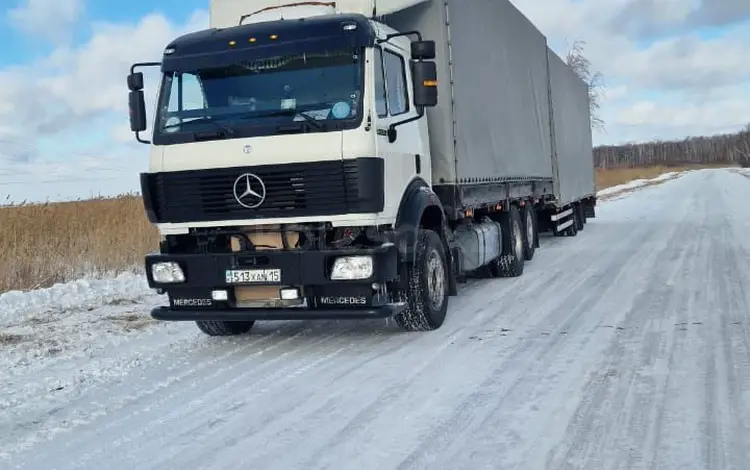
608,178
41,244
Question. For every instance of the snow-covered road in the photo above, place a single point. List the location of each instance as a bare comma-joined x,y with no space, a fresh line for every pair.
625,347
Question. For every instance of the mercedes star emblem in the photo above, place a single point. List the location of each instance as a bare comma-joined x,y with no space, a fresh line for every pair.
249,190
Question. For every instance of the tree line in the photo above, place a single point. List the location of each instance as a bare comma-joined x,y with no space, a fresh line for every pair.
723,149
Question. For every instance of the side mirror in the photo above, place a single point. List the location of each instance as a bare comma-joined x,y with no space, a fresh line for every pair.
136,100
135,81
137,109
424,75
423,50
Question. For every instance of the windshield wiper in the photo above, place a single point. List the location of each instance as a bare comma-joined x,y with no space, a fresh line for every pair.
311,120
223,130
287,112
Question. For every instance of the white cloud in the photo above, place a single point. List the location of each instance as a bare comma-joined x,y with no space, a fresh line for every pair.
686,61
49,19
63,93
71,107
666,77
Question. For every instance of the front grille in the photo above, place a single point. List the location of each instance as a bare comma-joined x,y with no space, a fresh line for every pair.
292,190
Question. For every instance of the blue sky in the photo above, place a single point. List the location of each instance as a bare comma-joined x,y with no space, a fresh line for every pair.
672,68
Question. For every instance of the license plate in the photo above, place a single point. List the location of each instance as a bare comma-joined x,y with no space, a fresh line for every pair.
253,276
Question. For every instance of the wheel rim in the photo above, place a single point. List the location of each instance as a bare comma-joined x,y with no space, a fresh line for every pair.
529,228
435,279
519,239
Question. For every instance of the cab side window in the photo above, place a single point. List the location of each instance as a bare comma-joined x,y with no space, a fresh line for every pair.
395,76
380,92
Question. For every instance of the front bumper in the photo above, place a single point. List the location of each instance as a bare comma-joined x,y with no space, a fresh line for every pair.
309,271
252,314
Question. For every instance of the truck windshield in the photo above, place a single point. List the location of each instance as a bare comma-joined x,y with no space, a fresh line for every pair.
304,92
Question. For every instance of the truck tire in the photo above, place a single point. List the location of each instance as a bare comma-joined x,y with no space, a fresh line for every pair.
572,230
530,232
426,294
224,328
580,216
511,262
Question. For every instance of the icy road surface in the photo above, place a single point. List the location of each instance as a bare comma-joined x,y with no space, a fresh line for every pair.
625,347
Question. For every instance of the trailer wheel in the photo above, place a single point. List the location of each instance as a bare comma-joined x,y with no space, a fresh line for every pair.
580,216
224,328
572,229
530,232
511,262
426,295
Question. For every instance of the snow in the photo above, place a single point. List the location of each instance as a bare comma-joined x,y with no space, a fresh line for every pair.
639,183
18,307
624,347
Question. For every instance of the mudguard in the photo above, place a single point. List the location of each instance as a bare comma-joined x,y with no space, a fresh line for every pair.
417,199
420,207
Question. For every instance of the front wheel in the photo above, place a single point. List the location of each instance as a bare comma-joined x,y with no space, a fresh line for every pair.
426,294
224,328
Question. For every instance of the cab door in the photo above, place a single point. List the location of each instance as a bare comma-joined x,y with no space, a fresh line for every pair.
406,156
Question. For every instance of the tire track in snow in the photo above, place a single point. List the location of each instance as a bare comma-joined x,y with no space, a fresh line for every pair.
618,399
215,386
130,399
384,401
523,370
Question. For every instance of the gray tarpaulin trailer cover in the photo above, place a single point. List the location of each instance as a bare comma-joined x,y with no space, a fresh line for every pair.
575,176
501,89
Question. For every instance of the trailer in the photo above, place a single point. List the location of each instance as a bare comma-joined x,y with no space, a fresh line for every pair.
356,158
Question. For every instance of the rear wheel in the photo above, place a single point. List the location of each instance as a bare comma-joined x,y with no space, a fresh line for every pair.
511,262
572,229
224,328
580,216
530,231
426,293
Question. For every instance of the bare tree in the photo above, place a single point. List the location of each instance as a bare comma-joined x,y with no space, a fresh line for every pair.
577,61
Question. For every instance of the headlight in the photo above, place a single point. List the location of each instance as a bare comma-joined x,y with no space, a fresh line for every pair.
352,267
167,273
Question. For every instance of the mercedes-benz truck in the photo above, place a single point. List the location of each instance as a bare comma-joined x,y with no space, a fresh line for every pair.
355,158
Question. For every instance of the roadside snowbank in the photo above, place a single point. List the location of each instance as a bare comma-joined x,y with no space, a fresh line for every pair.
74,319
621,190
636,184
18,307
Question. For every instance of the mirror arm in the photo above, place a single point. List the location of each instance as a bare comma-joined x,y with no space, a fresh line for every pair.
138,138
420,115
143,64
397,35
